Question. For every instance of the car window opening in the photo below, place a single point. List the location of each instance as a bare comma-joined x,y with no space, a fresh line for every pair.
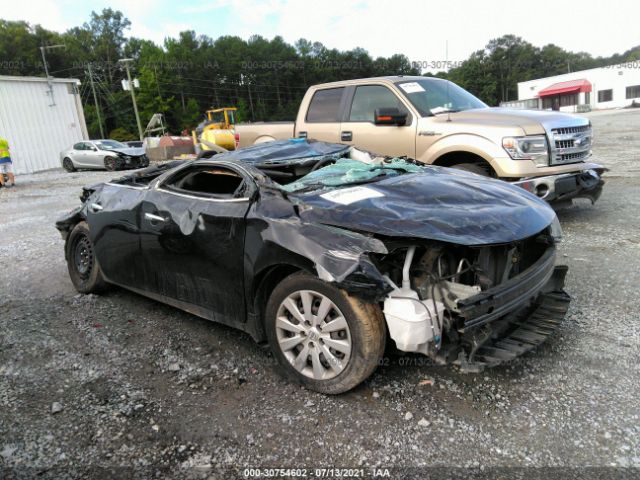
213,182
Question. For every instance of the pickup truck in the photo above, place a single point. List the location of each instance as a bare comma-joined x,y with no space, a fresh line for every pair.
436,122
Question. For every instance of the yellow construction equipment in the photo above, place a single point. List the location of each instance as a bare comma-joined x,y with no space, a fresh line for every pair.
216,133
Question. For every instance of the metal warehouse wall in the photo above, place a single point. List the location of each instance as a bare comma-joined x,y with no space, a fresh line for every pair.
37,131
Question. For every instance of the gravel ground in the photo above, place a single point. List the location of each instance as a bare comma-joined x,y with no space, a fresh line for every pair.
120,386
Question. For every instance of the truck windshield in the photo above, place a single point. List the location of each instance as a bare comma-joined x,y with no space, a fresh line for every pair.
432,96
216,117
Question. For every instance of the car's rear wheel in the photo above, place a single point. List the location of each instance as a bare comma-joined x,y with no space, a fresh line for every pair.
82,263
68,165
322,337
111,163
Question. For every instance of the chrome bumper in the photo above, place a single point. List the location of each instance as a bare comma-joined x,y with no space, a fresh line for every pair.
565,187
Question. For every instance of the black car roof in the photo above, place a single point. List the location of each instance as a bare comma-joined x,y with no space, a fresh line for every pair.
284,152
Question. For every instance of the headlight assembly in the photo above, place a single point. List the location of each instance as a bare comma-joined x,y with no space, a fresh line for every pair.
533,147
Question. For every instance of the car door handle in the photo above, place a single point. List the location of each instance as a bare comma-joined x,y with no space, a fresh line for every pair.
154,218
96,207
346,136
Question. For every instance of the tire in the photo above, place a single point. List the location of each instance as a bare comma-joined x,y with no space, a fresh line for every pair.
111,163
473,168
68,165
82,264
360,336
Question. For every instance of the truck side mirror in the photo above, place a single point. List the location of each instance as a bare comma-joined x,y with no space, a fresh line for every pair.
390,116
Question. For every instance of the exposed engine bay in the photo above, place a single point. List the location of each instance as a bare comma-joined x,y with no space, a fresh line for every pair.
438,292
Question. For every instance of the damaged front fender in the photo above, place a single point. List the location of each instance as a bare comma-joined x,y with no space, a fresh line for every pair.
276,235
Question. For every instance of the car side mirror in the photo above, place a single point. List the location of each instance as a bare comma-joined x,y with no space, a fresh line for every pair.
390,116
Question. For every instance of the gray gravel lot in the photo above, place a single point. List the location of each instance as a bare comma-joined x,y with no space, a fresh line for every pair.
117,385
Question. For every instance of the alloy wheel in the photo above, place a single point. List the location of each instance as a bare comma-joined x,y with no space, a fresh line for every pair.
68,165
313,335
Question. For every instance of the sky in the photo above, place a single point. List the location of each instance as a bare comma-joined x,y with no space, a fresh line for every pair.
424,31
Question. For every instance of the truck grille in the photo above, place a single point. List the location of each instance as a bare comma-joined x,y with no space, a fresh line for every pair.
570,144
574,157
566,130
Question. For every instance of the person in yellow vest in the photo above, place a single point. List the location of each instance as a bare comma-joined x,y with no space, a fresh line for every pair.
6,166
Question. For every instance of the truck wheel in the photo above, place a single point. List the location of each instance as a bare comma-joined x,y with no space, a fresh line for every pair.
323,338
82,264
67,164
473,168
111,163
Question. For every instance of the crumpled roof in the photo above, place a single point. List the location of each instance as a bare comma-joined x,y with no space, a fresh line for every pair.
283,152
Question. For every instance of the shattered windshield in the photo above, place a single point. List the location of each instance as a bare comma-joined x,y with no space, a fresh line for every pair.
301,165
434,96
347,171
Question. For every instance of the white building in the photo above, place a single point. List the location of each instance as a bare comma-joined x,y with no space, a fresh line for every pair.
40,118
614,86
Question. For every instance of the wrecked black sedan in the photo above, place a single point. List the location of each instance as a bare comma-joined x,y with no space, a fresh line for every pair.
326,252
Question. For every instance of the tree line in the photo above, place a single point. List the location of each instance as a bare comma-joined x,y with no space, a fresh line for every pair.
265,79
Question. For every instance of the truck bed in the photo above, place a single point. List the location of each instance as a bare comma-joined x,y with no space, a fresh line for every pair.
260,132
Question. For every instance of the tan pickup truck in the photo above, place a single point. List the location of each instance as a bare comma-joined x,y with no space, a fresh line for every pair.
436,122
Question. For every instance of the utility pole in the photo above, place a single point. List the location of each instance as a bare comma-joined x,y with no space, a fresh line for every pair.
126,62
248,82
46,69
95,99
155,75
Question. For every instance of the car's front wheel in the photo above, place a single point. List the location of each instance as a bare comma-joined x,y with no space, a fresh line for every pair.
111,163
82,263
322,337
68,165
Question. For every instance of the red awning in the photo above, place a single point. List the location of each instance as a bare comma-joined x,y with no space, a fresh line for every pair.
572,86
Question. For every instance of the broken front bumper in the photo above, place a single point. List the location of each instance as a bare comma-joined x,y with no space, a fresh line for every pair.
524,329
565,187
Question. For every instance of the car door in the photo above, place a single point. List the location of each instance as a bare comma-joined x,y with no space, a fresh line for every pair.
359,129
113,216
322,120
77,154
192,239
94,156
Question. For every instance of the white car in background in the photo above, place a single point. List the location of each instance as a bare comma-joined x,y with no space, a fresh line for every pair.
103,155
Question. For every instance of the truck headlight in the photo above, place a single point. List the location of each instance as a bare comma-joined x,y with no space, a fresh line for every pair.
532,147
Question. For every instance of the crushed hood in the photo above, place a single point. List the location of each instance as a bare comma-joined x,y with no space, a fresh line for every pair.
131,151
437,204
